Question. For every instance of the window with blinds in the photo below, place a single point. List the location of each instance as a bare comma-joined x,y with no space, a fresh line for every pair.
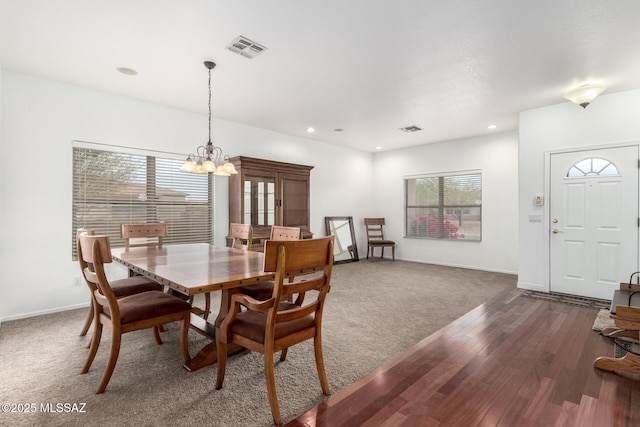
113,188
444,206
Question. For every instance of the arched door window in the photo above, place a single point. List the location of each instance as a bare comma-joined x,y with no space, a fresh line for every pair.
593,166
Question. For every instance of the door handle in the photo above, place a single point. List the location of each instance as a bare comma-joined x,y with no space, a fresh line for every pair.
556,231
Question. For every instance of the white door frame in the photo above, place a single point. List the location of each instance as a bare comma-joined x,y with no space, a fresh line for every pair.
547,191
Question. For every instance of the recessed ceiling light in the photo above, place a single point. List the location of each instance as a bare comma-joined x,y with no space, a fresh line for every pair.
492,127
379,147
338,130
310,130
127,71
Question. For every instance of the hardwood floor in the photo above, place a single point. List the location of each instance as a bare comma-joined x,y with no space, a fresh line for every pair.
515,361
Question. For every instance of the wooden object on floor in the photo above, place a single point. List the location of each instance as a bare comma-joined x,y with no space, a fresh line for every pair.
139,311
265,193
241,236
275,324
121,288
513,361
264,290
627,319
152,233
375,237
212,268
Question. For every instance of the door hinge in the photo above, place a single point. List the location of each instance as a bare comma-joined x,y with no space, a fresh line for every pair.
638,163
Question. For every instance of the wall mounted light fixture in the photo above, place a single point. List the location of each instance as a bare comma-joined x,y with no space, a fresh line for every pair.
583,95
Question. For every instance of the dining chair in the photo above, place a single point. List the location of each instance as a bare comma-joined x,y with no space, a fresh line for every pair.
143,310
276,324
145,234
241,235
263,290
151,235
375,237
121,288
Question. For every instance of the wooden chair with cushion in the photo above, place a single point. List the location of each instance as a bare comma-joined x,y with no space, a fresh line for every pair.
625,312
375,237
121,288
143,310
151,235
263,290
276,324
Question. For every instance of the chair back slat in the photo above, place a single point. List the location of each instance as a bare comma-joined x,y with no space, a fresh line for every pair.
375,228
279,232
241,235
151,232
96,251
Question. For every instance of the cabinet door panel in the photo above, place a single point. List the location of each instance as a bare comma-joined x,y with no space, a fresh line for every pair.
295,201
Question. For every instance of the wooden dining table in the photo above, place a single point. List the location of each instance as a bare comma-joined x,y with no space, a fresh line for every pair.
193,269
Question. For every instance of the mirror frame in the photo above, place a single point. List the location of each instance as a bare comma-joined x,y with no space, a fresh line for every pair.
349,219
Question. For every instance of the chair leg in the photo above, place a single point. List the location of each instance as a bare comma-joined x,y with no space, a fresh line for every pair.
283,354
393,252
269,370
156,334
93,349
87,323
184,337
222,363
116,338
381,252
322,375
207,305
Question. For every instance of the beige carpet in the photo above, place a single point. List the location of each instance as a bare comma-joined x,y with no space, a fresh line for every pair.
374,311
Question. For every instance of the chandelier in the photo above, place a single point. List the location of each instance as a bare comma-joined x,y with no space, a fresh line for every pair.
208,158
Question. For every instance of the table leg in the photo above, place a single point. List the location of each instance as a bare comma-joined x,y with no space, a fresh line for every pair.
208,355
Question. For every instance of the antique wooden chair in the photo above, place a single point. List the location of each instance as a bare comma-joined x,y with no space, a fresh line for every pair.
241,235
263,290
121,288
625,312
151,234
148,234
143,310
375,237
276,324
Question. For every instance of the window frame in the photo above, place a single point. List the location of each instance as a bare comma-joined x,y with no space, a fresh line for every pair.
185,202
440,226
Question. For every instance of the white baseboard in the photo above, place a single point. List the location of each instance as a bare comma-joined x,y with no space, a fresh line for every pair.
40,313
532,287
467,267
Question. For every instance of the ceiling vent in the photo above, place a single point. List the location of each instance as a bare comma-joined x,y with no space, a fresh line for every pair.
245,47
410,129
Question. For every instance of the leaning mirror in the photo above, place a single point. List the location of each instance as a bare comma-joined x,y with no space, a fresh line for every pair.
344,247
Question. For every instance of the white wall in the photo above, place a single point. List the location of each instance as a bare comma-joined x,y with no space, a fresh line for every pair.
496,155
610,119
40,118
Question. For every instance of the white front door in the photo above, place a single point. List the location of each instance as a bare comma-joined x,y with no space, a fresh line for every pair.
593,220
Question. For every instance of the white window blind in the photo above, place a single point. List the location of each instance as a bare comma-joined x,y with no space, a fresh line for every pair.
113,188
444,206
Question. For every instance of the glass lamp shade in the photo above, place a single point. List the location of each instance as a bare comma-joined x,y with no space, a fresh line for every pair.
229,168
220,171
585,94
188,165
209,166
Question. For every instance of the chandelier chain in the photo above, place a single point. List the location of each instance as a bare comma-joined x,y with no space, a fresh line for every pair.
209,104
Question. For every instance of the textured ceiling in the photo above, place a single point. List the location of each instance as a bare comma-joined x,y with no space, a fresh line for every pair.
369,67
